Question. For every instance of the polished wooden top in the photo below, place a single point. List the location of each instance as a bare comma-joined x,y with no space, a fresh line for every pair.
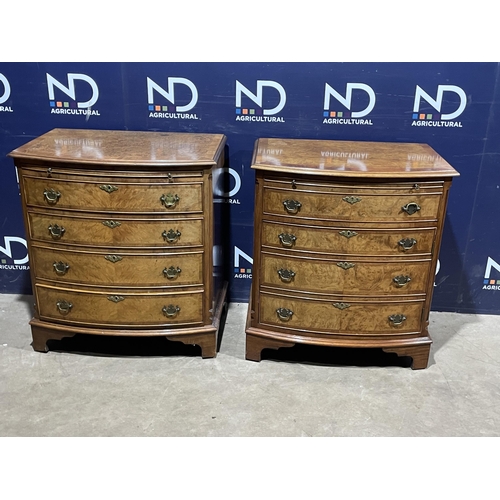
120,147
349,158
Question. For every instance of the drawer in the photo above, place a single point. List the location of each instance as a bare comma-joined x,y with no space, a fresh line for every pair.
127,232
117,268
345,240
360,206
114,308
130,196
360,317
352,277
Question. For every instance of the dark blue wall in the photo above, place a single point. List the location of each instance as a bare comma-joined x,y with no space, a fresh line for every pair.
460,104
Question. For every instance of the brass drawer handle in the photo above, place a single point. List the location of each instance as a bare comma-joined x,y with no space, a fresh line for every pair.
116,298
112,224
171,273
171,311
284,314
411,208
341,305
292,206
286,275
113,258
56,231
171,236
109,188
63,306
401,280
60,268
287,240
345,265
397,319
52,196
169,200
407,243
348,234
351,199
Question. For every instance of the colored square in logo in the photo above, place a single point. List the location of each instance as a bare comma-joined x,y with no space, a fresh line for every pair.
245,111
422,116
73,104
4,261
52,104
429,117
325,113
164,108
66,104
252,111
59,104
486,282
492,282
333,114
340,114
238,111
151,107
258,111
249,271
347,115
414,116
242,270
157,108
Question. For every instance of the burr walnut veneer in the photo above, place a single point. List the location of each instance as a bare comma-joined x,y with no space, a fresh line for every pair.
121,226
347,237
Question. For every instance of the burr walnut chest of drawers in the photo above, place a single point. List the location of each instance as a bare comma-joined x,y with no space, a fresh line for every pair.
120,227
347,236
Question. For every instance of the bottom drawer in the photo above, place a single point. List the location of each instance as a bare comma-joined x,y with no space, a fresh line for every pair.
121,309
367,317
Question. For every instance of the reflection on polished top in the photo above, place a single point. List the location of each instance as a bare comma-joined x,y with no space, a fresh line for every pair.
350,158
123,147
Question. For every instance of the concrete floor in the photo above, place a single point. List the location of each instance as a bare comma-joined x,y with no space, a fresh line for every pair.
152,387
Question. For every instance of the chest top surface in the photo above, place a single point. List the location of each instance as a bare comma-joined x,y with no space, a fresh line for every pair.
119,147
350,158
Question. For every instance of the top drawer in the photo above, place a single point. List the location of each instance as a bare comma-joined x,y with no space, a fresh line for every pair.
183,195
379,202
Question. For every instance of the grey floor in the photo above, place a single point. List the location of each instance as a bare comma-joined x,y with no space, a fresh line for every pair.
96,387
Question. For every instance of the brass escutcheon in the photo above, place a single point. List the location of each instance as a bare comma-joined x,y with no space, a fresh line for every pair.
292,206
170,311
171,236
411,208
341,305
397,319
351,199
60,268
286,275
345,265
116,298
401,280
407,243
56,231
169,200
52,196
112,223
348,234
287,240
63,306
284,314
172,272
108,188
113,258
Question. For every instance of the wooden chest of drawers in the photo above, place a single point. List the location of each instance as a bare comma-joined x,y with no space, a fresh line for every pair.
121,228
347,237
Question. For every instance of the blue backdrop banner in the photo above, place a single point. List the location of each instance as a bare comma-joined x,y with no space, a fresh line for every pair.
453,107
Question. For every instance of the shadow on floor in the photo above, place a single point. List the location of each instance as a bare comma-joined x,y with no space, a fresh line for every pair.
336,356
113,346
